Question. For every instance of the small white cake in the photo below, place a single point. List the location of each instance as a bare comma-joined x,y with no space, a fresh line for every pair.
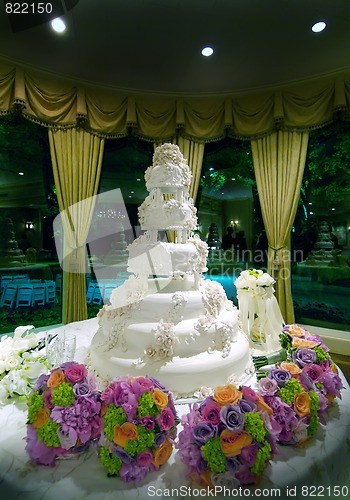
166,321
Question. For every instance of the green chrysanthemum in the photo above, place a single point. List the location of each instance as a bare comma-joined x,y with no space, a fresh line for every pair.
321,355
63,395
48,433
289,390
147,406
111,462
213,454
36,403
262,457
314,408
114,416
255,426
145,440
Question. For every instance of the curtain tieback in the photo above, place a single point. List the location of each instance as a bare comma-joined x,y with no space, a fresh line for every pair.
276,261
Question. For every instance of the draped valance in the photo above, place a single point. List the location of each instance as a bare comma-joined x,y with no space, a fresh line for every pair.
56,102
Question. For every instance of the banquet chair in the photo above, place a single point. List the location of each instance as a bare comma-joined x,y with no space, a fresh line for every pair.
97,297
58,282
24,295
39,294
5,280
9,296
90,292
50,292
21,277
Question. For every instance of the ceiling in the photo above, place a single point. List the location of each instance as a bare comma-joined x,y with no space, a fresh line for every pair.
154,45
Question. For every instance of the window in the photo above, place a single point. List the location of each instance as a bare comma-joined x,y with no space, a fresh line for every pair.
321,237
29,270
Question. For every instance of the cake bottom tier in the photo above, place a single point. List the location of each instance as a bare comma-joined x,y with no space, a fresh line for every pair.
183,376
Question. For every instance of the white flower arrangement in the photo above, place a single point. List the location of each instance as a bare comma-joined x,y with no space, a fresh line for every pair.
21,363
256,281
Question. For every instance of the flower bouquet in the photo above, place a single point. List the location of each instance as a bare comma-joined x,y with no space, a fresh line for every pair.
311,356
226,440
21,363
139,427
295,407
64,414
259,311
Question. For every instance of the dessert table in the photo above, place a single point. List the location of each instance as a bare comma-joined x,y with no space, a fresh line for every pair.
321,468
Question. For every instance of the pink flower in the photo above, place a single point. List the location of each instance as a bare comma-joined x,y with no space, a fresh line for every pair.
249,394
315,372
211,412
144,459
166,420
75,373
140,385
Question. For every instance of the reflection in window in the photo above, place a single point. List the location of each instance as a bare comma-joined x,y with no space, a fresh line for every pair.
321,237
29,270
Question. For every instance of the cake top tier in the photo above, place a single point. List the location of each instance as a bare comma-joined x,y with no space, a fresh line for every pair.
169,169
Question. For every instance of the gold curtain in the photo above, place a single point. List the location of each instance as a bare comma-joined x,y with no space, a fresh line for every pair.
113,113
279,161
76,160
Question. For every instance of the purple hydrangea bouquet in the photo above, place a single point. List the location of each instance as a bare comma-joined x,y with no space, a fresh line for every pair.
139,427
64,414
296,407
227,440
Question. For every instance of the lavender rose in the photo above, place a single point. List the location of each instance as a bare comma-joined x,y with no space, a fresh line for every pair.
315,372
202,432
232,417
82,389
303,356
246,406
280,376
268,386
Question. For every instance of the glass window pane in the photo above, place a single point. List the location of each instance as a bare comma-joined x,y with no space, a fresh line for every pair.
321,237
29,270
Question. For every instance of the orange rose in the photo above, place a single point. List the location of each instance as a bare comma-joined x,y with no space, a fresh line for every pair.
334,368
290,367
308,344
55,378
160,398
302,404
296,331
225,394
233,442
41,417
264,406
205,479
330,398
122,433
162,454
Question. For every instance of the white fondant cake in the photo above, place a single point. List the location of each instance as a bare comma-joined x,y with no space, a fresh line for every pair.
166,321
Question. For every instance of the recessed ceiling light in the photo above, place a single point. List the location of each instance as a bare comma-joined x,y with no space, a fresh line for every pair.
207,51
320,26
58,25
20,173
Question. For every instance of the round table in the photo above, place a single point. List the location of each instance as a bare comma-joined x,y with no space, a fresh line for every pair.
321,468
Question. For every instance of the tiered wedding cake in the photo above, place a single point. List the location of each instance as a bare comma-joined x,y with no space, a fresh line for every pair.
167,321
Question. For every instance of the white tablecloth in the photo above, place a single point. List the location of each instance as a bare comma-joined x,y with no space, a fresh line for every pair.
318,469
